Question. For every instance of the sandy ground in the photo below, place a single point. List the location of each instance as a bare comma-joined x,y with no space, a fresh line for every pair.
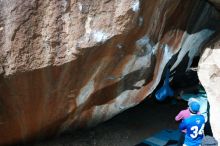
125,129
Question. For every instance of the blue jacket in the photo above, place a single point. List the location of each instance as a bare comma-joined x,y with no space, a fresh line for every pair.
194,125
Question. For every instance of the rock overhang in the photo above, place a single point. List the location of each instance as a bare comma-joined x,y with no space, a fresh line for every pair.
67,64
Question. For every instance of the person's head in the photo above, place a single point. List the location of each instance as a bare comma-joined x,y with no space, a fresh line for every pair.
194,105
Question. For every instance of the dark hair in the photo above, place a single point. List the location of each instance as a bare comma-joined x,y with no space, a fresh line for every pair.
192,111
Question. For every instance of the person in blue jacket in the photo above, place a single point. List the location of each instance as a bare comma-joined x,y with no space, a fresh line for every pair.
194,126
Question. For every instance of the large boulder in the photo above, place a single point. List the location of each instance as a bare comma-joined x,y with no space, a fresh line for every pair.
71,64
209,75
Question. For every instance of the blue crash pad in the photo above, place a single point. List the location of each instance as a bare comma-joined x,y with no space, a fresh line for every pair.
162,138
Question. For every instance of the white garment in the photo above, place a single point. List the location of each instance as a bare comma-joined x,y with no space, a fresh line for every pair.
203,107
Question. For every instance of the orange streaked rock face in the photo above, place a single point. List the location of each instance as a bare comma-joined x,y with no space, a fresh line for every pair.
71,64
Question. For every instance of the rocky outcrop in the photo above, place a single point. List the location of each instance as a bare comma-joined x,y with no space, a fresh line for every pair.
69,64
209,75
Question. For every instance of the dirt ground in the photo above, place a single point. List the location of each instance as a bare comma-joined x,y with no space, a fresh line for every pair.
125,129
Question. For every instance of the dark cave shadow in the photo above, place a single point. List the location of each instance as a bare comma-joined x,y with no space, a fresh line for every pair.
195,21
212,42
187,17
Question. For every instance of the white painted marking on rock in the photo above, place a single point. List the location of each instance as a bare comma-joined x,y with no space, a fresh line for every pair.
191,43
154,50
142,62
85,93
142,41
140,83
197,42
140,21
119,46
79,6
129,66
146,44
166,57
87,25
136,5
100,36
167,52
